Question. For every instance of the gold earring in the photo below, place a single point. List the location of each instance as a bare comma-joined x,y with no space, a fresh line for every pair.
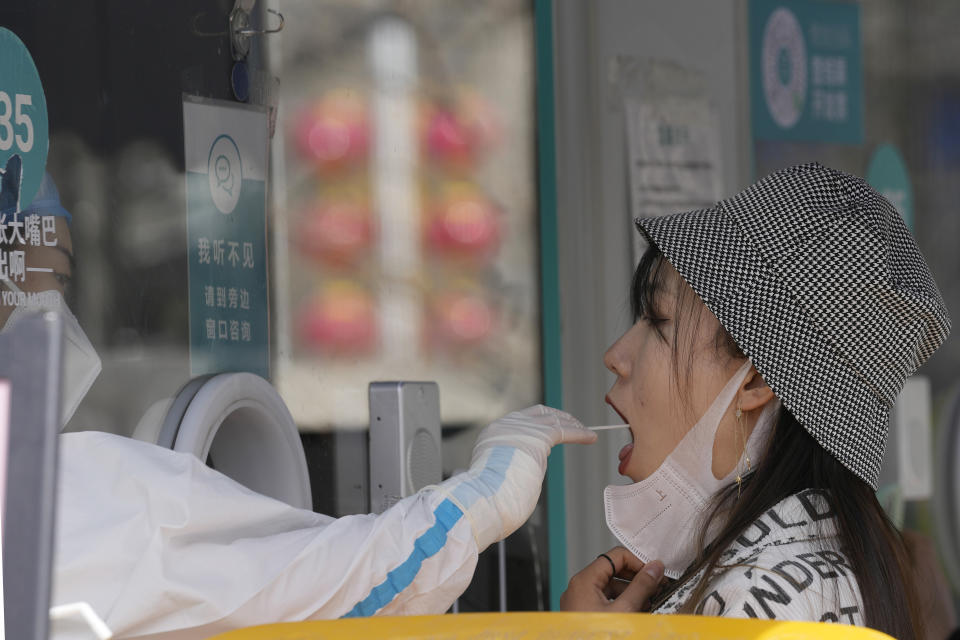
743,437
741,433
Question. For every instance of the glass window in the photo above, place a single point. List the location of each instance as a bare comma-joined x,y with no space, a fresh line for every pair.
397,230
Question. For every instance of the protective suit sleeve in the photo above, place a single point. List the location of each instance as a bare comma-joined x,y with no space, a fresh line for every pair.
501,488
159,543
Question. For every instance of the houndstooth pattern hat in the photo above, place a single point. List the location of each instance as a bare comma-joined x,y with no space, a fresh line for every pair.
820,283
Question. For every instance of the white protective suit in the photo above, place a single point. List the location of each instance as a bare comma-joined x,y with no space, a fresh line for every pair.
164,547
786,566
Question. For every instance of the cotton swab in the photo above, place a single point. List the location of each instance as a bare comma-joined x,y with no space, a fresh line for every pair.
609,426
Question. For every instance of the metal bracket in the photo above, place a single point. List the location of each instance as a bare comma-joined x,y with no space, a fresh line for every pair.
240,31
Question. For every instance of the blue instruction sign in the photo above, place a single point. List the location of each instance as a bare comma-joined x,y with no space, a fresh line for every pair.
806,79
225,146
24,136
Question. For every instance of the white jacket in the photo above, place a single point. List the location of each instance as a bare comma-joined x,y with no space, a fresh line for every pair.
786,566
158,543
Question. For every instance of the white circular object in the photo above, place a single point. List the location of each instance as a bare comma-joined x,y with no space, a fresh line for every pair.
784,72
241,424
148,429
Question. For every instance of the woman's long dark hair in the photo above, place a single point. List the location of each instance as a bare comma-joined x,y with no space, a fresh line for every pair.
793,461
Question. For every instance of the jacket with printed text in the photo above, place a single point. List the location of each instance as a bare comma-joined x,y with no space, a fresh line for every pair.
787,565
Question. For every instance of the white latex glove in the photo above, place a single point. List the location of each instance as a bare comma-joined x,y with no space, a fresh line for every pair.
500,490
534,431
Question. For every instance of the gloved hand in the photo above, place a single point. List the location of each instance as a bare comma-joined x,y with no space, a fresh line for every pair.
500,490
533,431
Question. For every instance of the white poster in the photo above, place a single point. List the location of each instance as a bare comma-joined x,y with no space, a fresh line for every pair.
673,150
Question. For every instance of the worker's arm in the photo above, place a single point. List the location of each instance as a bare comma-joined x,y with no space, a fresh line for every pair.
156,541
473,510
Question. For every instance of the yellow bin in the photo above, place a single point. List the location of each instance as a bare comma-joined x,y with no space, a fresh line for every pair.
548,625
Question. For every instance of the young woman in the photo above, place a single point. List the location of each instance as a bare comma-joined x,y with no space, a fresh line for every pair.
773,333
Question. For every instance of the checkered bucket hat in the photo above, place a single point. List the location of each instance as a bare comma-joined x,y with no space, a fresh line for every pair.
820,283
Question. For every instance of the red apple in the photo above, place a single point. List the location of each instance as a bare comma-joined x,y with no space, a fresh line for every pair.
334,132
339,319
447,140
463,318
335,232
466,227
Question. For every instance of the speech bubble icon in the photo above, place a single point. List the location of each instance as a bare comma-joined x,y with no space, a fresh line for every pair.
224,174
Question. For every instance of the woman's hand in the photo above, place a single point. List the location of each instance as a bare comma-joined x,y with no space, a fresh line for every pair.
595,589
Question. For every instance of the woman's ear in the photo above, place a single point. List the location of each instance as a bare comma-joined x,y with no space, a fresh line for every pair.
754,391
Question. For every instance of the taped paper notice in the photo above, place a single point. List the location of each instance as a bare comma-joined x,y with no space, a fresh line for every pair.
674,156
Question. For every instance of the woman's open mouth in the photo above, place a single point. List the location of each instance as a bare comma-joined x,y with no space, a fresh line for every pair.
627,449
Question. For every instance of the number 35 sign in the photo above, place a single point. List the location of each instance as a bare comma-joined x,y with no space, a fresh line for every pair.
23,118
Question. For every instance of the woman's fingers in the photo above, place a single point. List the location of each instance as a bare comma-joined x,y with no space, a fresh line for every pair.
638,593
600,571
624,560
621,566
596,587
589,589
618,584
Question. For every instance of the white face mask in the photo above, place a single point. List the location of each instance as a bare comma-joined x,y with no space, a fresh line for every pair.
81,364
658,517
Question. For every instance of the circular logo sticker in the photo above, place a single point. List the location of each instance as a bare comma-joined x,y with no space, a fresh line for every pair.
23,124
784,68
224,172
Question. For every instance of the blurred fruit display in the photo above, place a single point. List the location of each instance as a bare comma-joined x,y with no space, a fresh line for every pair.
408,217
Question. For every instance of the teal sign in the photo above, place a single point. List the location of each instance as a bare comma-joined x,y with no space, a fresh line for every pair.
806,80
226,157
24,138
887,173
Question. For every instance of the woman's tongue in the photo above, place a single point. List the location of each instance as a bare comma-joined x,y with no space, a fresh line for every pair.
625,457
